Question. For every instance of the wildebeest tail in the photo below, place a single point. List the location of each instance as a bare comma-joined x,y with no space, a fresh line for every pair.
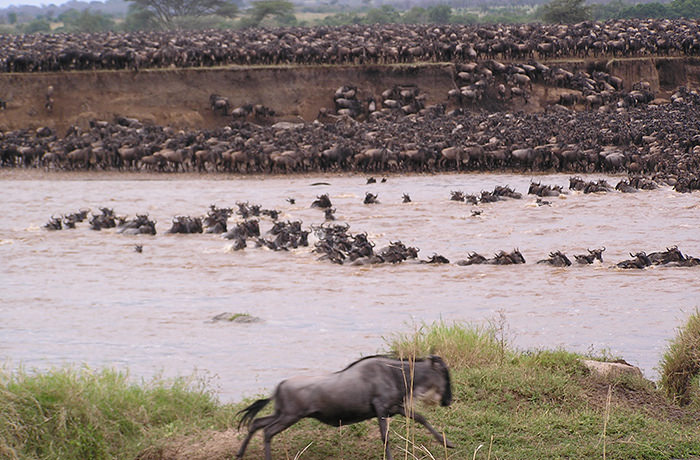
251,411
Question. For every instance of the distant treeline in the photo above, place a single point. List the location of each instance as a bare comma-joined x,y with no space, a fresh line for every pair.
90,20
617,9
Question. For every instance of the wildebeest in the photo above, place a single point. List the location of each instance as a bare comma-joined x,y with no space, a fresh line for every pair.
323,202
515,257
370,198
640,260
556,259
374,386
591,256
672,254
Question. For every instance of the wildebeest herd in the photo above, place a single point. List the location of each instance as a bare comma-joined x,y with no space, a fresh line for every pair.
662,142
335,243
596,124
353,44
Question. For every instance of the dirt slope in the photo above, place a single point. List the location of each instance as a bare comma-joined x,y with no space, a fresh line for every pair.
180,97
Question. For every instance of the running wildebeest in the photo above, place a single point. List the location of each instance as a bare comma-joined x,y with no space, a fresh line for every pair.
374,386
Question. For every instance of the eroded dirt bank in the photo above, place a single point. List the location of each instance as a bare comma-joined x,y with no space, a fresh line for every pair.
180,98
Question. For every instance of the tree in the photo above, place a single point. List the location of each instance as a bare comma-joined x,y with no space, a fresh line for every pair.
440,14
139,19
165,12
37,25
686,8
416,15
264,8
566,11
385,14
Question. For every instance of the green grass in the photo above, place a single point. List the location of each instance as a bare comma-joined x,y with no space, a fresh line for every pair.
515,405
680,364
86,414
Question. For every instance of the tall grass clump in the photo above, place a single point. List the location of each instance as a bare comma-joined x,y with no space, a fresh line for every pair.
680,365
460,345
69,413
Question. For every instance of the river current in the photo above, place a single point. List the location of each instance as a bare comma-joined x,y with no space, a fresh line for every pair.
83,297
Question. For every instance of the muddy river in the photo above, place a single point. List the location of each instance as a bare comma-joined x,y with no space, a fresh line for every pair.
84,297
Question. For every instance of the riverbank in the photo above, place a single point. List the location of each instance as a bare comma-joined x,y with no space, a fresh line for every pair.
506,404
180,98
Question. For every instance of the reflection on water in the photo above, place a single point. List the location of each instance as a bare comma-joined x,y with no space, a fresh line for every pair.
81,296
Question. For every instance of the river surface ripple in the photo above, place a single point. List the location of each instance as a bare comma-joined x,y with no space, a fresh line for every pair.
75,297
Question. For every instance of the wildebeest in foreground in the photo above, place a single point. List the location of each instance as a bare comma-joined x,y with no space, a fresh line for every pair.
374,386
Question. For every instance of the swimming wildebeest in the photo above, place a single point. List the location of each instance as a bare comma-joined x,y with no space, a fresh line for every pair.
374,386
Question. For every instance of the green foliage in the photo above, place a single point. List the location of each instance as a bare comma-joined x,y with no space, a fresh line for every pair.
685,8
97,415
458,344
262,9
386,14
36,26
340,19
415,15
439,14
508,15
618,9
465,18
166,12
85,22
139,19
565,11
12,17
680,365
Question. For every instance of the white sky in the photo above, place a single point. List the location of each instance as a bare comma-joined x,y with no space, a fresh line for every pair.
6,3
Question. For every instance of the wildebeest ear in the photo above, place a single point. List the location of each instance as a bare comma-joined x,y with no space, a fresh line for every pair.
435,359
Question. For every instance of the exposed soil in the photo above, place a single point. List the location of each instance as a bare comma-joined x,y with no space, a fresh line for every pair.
180,97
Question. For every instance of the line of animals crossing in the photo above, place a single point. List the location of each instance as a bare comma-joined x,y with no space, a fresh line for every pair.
335,243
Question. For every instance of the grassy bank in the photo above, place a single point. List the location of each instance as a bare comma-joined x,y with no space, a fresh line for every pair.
85,414
507,405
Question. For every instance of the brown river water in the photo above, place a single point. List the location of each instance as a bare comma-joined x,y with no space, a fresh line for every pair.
83,297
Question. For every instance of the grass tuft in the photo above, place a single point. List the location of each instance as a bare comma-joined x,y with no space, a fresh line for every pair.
459,345
82,413
680,364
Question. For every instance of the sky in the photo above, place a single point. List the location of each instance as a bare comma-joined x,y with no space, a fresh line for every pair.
6,3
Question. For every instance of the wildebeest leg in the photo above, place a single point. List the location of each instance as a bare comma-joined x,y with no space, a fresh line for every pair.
384,432
423,421
258,424
281,423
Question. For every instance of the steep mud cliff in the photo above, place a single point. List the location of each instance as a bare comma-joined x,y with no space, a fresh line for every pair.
180,98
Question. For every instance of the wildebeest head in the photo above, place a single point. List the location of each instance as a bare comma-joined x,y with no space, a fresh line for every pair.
597,253
516,257
434,385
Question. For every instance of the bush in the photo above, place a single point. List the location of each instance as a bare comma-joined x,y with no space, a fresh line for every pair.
680,364
460,345
79,414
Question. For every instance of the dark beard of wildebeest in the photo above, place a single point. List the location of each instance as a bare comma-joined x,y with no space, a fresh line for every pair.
374,386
